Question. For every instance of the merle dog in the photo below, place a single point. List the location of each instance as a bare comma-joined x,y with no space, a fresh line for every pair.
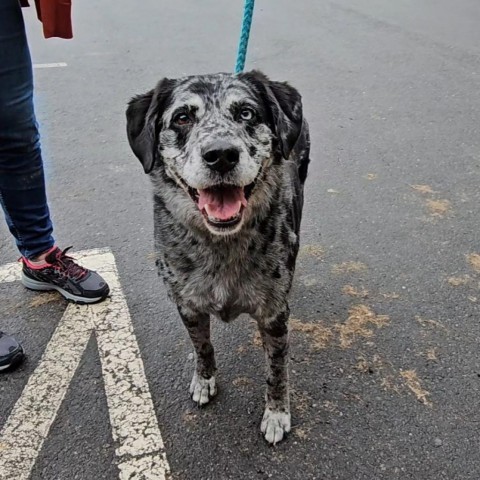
228,156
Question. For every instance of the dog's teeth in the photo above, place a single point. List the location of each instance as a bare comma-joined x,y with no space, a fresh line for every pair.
218,220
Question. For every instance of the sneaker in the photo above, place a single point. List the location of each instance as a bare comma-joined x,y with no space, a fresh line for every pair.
11,352
61,273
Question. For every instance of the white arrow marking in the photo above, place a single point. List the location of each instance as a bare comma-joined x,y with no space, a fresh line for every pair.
139,446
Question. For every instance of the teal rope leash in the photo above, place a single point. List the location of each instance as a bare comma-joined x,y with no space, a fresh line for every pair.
245,33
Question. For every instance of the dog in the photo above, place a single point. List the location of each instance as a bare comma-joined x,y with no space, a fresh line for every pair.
227,156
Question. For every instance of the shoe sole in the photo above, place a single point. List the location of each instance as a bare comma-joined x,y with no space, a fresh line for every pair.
32,284
16,360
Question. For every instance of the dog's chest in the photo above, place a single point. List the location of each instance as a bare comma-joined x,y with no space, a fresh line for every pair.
249,275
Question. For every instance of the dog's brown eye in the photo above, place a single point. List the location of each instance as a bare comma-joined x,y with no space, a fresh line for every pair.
247,114
182,119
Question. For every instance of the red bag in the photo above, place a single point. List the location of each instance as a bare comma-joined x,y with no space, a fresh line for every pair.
55,15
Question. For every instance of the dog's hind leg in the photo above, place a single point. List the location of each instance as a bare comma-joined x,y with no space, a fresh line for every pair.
203,386
276,419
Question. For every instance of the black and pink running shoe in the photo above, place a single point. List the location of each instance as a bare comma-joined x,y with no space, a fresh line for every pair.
60,272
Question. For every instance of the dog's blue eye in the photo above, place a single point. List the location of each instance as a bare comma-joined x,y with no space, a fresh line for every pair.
247,114
182,119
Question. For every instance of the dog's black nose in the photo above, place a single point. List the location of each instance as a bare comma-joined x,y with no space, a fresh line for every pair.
222,160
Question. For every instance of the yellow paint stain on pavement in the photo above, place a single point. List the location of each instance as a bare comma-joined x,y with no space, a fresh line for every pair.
319,334
355,292
44,298
242,382
431,354
301,400
360,323
330,407
390,384
364,365
189,417
429,323
425,189
390,295
300,433
438,208
413,383
315,251
474,261
349,267
458,281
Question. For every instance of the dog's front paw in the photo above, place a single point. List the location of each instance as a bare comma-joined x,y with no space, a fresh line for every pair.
274,425
202,390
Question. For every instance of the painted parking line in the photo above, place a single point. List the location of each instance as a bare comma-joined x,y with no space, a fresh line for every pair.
10,272
139,446
49,65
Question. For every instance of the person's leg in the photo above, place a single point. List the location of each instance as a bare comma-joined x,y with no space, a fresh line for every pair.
22,184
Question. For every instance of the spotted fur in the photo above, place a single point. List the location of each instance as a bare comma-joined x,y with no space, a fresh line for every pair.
247,269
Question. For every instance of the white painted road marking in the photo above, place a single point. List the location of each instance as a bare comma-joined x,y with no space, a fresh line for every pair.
49,65
10,272
139,447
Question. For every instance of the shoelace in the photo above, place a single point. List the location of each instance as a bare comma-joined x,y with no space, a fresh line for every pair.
69,267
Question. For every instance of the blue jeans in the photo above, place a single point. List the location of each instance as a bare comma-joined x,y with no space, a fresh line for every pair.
22,182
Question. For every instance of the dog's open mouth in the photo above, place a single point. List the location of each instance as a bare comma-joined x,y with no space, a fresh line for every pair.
222,205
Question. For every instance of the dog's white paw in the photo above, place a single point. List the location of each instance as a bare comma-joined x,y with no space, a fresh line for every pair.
202,390
274,425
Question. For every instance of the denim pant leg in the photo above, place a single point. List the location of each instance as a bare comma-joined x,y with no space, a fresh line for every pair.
22,183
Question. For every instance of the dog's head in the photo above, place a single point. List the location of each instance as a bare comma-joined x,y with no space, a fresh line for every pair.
216,136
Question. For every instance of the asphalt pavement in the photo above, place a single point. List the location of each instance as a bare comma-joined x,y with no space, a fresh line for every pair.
385,367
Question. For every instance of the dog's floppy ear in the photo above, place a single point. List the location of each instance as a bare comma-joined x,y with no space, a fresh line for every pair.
143,122
287,114
140,132
285,104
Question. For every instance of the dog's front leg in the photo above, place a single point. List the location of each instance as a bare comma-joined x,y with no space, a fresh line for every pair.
276,419
203,385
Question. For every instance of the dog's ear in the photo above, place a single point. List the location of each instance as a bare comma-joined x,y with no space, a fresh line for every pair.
285,104
144,122
287,114
140,132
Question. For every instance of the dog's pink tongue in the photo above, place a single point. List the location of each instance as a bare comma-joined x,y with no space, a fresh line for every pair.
222,203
